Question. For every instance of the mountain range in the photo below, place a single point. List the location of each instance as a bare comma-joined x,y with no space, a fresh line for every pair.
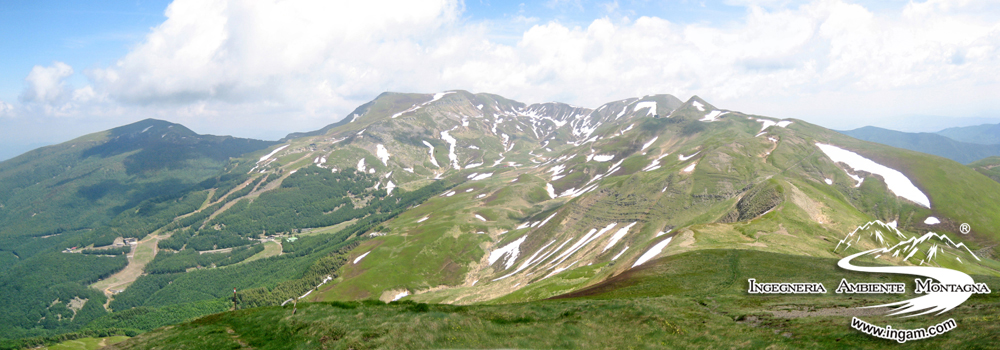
470,210
964,145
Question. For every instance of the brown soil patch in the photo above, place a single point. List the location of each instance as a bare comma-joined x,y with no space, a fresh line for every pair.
836,311
811,207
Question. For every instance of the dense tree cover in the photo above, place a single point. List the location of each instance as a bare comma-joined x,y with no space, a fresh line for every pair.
140,290
245,190
177,240
224,183
210,239
312,197
145,318
170,262
35,342
324,267
149,216
29,290
195,219
108,251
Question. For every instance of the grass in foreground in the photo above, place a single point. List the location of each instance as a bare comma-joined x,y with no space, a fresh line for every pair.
86,343
692,300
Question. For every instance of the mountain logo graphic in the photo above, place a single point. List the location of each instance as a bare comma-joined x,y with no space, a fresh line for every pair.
955,287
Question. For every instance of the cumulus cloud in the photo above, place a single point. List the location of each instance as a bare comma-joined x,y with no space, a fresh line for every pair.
314,60
5,109
45,84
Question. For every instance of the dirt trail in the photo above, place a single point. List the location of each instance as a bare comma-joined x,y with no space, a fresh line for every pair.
142,253
837,311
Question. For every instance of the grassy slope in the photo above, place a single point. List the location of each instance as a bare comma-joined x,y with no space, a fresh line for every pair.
86,343
690,300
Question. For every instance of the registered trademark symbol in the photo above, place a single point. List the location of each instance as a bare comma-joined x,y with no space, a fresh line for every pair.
965,228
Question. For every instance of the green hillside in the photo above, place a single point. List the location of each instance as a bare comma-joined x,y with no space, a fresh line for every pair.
690,300
126,182
483,207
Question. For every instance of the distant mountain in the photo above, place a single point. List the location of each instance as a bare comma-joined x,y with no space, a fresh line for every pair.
91,191
457,198
986,134
929,143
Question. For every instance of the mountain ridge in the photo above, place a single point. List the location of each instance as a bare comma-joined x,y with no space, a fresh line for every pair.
462,198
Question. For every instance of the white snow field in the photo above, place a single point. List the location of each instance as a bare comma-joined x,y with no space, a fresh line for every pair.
646,104
382,154
433,161
652,252
362,256
895,180
276,150
511,249
618,236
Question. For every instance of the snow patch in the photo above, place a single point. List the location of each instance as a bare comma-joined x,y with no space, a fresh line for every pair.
451,149
650,143
895,180
619,254
646,104
698,105
618,236
551,190
932,220
389,187
362,256
690,168
423,219
684,158
361,165
482,176
713,116
401,295
433,161
604,158
586,239
652,252
480,217
382,154
511,250
276,150
828,181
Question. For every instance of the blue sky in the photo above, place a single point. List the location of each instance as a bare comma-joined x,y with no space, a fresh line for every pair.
266,68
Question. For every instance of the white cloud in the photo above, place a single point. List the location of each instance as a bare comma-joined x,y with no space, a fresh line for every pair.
45,84
297,64
6,109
